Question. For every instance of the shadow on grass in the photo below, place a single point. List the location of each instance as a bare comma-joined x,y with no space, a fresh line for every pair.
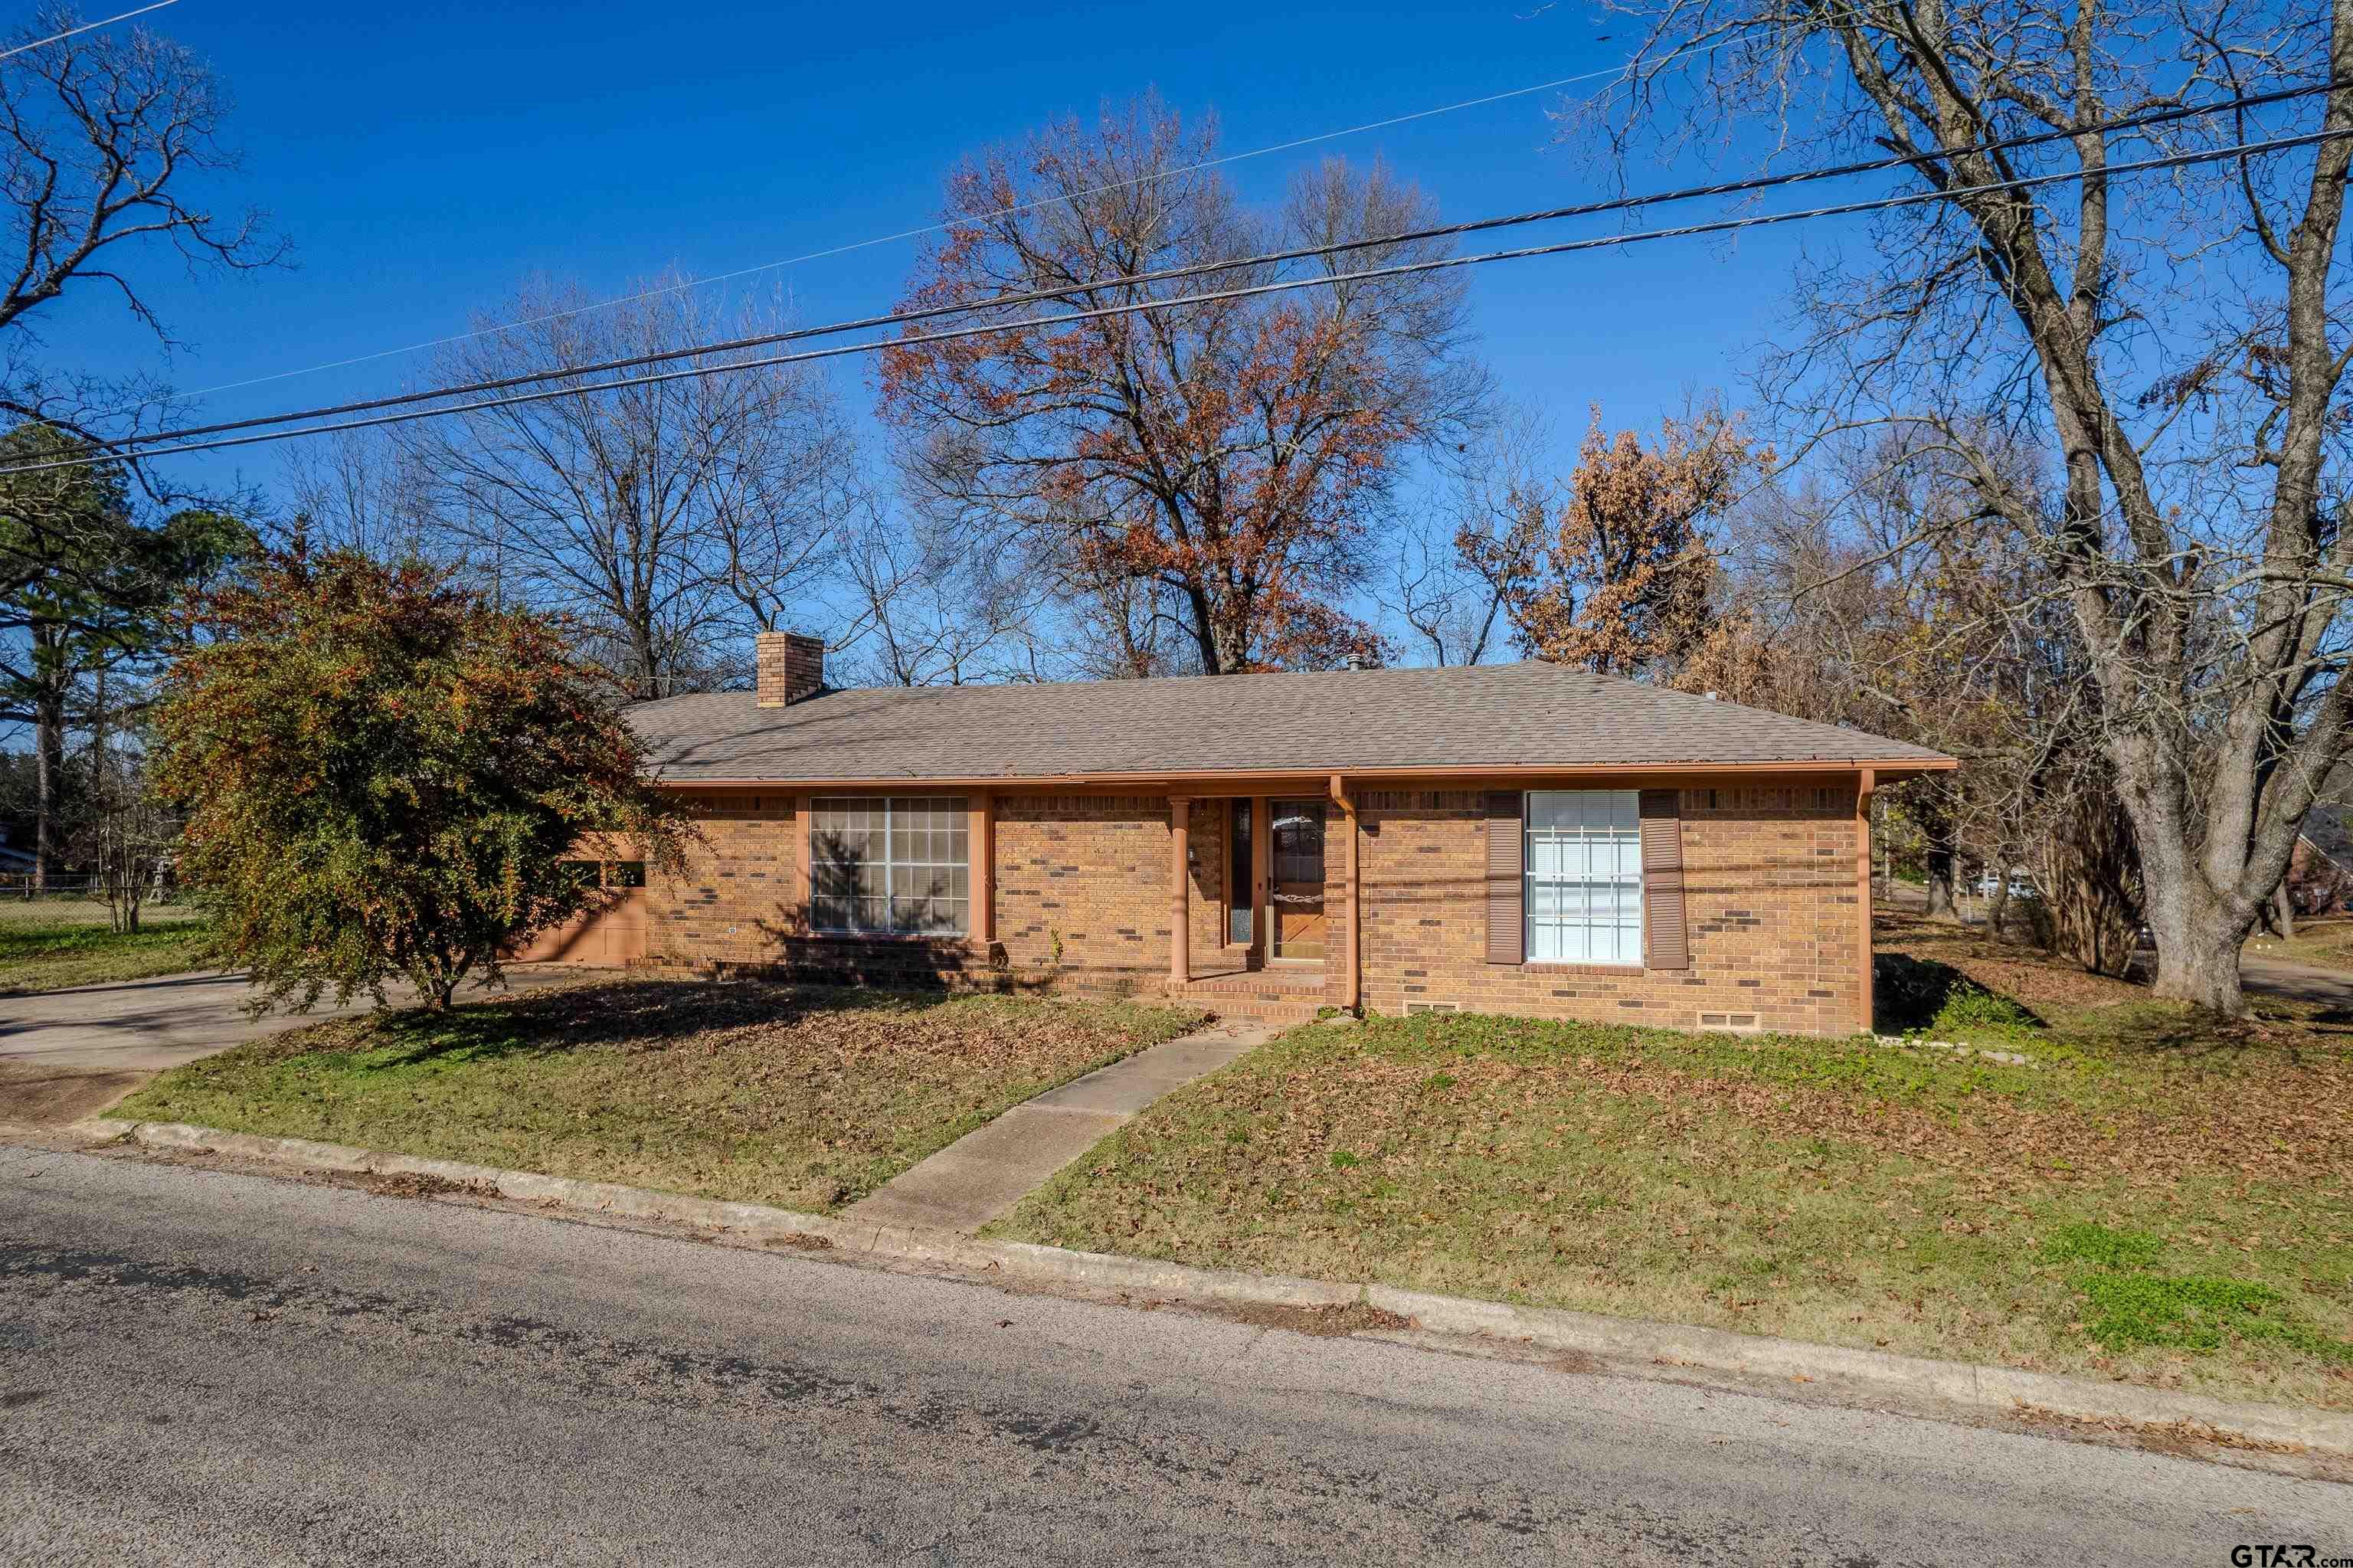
1924,994
636,1015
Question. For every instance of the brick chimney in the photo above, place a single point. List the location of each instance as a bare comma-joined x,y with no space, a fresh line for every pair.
791,667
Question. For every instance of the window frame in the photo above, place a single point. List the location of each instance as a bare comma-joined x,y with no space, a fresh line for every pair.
958,808
1625,839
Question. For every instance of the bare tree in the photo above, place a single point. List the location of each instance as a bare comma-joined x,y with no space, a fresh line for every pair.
1456,562
360,490
671,518
2177,340
931,608
102,136
107,142
1870,592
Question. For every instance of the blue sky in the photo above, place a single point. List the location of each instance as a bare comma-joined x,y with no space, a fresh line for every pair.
425,159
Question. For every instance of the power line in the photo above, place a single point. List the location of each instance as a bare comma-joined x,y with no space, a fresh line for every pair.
1238,263
1443,263
1219,162
85,27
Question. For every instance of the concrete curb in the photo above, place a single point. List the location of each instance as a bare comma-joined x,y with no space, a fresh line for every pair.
1623,1339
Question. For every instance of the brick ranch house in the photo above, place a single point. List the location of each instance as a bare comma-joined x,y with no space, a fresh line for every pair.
1525,838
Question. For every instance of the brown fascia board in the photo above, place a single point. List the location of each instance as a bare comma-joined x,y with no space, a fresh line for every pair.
1887,772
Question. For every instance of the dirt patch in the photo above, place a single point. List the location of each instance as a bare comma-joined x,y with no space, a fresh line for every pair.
800,1241
422,1184
1324,1322
2184,1439
43,1097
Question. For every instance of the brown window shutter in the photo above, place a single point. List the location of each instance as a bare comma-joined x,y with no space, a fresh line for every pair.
1666,940
1506,943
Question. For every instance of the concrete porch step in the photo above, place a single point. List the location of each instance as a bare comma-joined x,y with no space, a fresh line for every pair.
1268,995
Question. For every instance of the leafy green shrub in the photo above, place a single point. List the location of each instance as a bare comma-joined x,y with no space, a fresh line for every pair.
388,774
1970,1006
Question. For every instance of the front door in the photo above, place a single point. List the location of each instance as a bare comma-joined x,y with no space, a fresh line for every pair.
1295,918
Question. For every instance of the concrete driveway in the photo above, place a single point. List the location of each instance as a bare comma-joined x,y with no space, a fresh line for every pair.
2297,982
67,1054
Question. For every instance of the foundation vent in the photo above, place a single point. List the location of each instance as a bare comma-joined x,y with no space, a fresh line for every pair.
1732,1020
1413,1007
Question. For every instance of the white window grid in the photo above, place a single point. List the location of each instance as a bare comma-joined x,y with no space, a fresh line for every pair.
1583,876
890,865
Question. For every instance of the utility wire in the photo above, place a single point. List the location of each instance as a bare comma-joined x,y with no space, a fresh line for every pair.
1028,323
1238,263
1219,162
85,27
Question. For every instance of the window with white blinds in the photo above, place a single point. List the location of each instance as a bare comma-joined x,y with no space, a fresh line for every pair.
892,866
1583,873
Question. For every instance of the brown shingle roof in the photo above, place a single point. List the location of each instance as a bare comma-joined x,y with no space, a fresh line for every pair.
1501,716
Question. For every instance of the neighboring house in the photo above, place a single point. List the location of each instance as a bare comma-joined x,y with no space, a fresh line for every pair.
1525,838
2317,879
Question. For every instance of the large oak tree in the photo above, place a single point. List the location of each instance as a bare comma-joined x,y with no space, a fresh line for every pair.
1202,481
2176,341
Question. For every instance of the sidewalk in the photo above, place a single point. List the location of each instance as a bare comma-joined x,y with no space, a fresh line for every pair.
982,1175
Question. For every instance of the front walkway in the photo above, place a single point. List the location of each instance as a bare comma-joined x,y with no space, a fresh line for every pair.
980,1176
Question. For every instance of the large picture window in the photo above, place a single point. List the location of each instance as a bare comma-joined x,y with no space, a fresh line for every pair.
890,865
1584,877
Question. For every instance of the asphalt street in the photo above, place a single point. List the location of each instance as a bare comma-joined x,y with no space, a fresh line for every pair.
199,1366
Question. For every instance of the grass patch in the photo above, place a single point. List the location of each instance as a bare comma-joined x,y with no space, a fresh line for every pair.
1823,1188
2096,1243
2324,942
53,946
802,1097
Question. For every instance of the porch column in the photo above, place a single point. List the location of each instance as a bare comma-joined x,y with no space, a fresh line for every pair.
1351,979
980,846
1863,781
1180,877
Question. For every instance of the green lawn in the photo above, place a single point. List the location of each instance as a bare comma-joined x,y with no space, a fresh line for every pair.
2153,1199
53,944
806,1098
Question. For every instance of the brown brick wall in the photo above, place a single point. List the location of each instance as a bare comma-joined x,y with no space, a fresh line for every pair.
1770,896
1082,889
739,893
1082,905
1083,900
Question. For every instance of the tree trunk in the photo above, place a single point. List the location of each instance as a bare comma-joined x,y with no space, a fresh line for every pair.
1941,905
2284,912
2198,941
49,784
